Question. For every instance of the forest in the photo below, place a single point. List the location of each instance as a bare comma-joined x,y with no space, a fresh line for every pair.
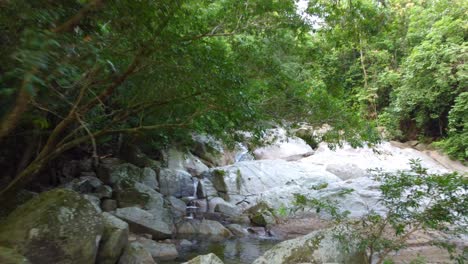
78,73
86,78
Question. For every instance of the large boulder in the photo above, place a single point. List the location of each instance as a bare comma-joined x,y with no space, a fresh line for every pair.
205,259
112,173
144,222
133,154
204,228
9,256
261,214
212,151
282,146
178,160
316,247
114,239
85,184
159,251
177,183
136,253
206,189
57,226
246,183
131,193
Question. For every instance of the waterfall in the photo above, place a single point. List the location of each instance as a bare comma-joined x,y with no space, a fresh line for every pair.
191,206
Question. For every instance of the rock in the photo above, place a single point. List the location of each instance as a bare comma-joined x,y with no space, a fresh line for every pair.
133,154
237,230
211,151
57,226
104,191
179,208
86,184
205,259
9,256
204,228
149,178
144,222
135,253
106,167
275,181
206,189
159,251
112,174
185,243
261,214
227,209
178,160
108,205
114,239
346,171
316,247
128,193
95,201
176,183
283,147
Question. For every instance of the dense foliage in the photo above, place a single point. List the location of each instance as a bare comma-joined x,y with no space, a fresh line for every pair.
415,201
400,62
77,74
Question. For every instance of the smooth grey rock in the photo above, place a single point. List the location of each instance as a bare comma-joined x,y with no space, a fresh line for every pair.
204,228
176,183
108,205
346,171
205,259
282,147
178,207
206,189
135,253
129,193
57,226
159,251
144,222
184,160
185,243
316,247
237,230
114,239
149,178
227,209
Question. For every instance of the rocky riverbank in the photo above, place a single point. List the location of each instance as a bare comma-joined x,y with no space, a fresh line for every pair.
136,209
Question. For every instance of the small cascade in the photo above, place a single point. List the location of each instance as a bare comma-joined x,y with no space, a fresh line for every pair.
242,151
191,205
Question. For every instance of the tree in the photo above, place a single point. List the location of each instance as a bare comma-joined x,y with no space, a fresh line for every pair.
77,73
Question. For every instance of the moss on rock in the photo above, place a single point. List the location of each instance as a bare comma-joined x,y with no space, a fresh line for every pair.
58,226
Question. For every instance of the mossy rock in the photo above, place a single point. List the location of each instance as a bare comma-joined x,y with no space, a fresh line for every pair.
261,214
9,256
58,226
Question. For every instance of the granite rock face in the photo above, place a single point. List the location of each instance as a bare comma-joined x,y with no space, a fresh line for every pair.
57,226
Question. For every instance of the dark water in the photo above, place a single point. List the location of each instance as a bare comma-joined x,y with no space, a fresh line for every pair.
231,251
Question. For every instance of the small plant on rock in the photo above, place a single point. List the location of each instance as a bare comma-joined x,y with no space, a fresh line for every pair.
415,201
